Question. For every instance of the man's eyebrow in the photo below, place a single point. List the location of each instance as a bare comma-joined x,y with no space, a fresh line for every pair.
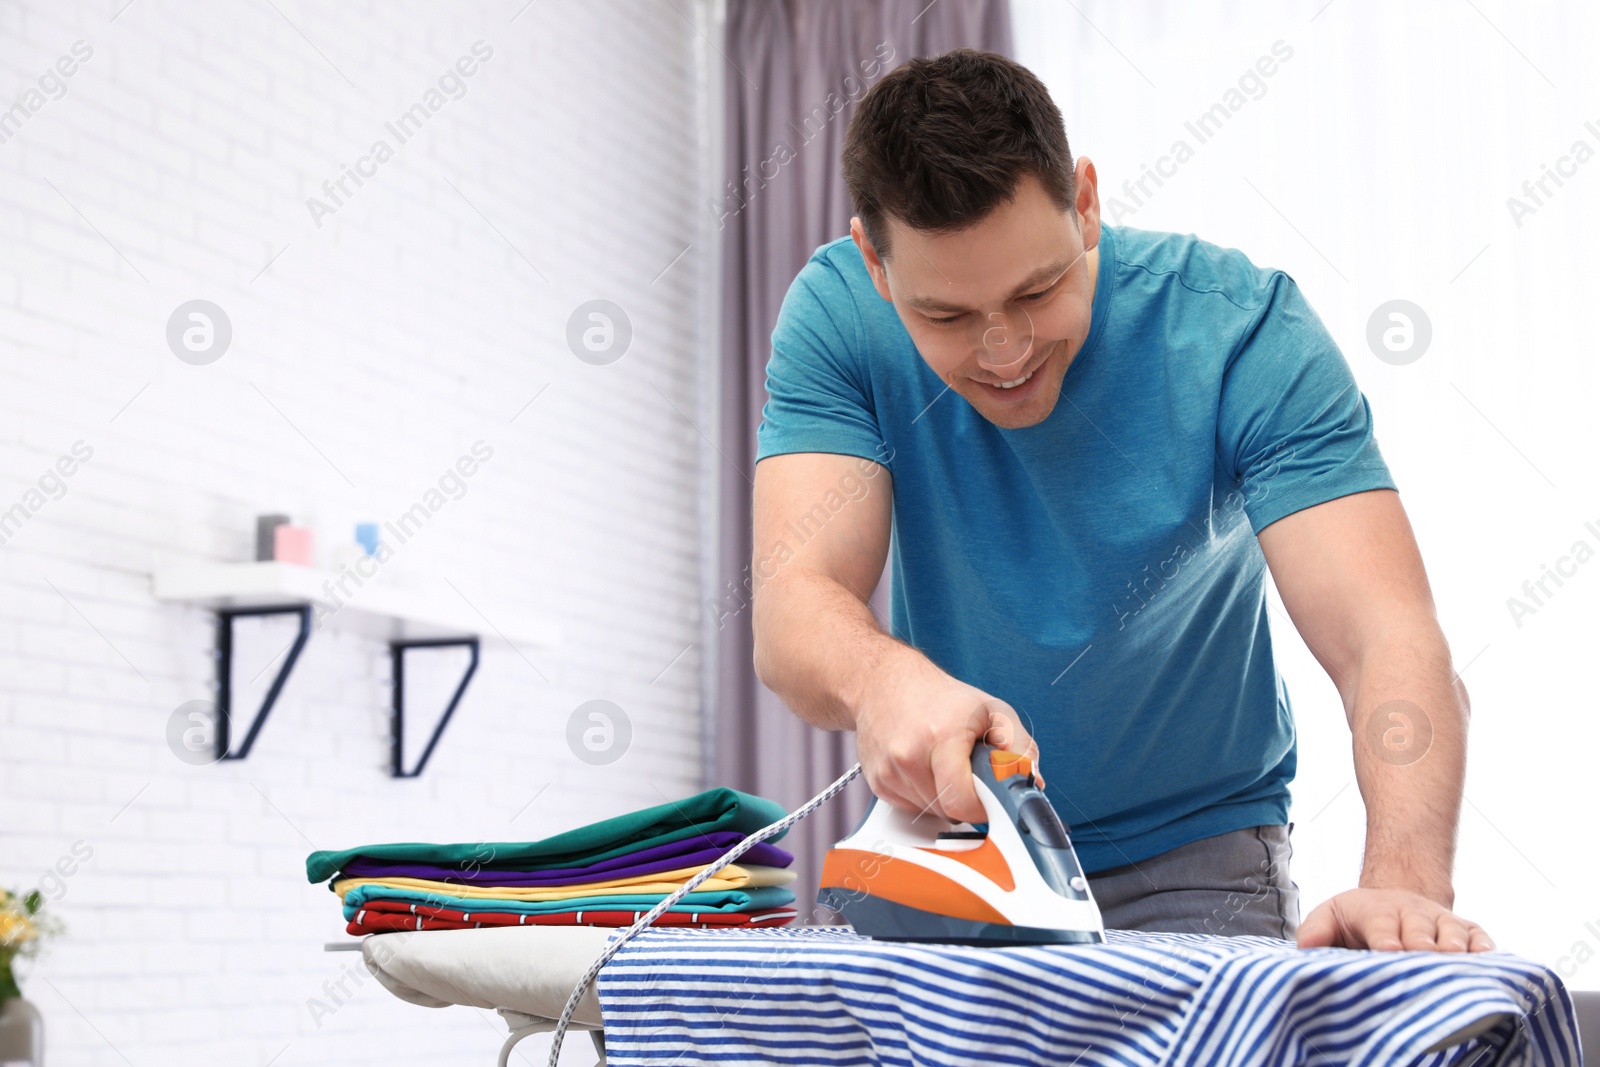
1033,281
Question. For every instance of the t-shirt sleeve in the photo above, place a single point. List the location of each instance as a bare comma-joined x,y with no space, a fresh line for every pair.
1292,427
819,394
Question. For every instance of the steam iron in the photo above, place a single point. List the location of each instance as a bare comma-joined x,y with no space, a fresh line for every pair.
900,877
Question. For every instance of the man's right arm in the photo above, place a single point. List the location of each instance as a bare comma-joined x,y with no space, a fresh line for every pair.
816,640
819,647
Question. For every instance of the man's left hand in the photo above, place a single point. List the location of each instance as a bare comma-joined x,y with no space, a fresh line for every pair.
1390,920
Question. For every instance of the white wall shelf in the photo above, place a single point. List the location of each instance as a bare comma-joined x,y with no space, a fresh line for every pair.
390,612
406,616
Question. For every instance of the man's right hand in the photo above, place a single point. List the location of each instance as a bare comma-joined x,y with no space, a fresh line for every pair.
916,728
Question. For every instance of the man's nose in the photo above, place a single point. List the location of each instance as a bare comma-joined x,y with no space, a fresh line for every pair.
1005,341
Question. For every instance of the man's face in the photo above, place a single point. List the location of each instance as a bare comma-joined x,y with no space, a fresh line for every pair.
1005,301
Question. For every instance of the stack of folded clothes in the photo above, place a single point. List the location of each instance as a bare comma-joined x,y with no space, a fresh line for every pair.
608,873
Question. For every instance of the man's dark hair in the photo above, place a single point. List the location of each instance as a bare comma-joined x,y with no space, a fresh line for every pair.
941,141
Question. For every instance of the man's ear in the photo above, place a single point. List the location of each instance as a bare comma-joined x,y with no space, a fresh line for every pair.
1088,202
869,256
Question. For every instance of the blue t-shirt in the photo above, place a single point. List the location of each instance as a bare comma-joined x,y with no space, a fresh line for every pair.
1099,571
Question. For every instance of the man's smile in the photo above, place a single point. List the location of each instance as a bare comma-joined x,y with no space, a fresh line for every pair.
1022,387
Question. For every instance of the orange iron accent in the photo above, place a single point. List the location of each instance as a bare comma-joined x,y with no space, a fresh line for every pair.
1006,764
986,859
858,871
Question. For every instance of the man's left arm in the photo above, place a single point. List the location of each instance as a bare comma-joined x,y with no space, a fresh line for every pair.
1352,579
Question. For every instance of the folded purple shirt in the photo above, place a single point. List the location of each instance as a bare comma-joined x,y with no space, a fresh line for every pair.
690,852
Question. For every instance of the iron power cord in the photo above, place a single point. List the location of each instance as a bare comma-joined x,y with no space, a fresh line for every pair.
616,943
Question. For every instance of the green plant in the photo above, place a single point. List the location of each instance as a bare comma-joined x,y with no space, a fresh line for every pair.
23,930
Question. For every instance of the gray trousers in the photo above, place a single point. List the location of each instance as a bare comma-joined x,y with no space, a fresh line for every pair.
1232,884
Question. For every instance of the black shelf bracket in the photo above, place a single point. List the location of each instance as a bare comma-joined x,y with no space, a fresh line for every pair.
225,617
397,722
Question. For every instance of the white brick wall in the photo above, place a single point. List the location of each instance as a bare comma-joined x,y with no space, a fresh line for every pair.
375,350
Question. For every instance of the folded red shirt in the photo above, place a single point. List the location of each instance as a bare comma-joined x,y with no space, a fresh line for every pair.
384,916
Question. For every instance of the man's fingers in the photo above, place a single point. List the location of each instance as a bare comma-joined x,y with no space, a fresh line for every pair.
893,783
1454,933
956,797
1419,931
886,792
1390,921
1320,929
1379,929
1003,732
938,779
1002,728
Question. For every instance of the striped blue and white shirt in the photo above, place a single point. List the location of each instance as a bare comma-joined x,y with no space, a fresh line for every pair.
825,996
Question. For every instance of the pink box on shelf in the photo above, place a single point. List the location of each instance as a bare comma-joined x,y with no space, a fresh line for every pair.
292,544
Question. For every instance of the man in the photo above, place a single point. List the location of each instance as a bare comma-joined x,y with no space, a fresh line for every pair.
1086,444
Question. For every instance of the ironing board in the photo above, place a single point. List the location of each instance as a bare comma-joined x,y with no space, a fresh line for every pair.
826,996
525,973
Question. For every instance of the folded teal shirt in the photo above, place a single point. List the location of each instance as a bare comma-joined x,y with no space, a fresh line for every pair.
713,809
730,900
1099,571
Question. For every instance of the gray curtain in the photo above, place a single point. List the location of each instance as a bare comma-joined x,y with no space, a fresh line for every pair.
791,64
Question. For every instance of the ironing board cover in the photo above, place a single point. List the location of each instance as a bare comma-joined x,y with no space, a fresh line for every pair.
825,996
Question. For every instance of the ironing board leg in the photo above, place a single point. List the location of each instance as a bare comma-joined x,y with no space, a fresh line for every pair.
518,1035
543,1027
